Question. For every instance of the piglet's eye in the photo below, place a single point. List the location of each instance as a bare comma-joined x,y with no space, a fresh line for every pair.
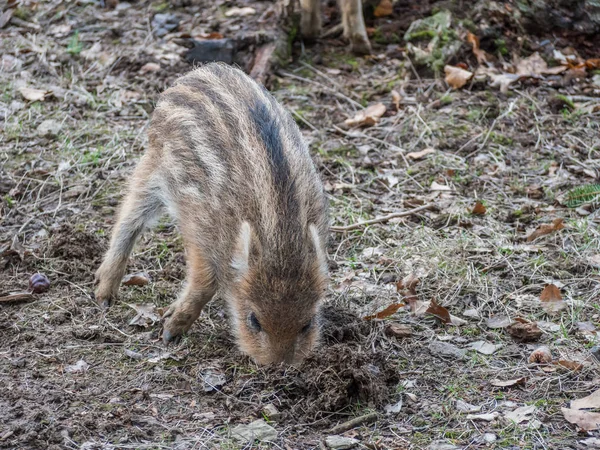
254,323
307,327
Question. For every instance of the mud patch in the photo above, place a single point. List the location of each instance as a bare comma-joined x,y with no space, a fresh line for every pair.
76,251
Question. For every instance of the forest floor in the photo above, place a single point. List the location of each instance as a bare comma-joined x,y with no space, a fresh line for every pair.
78,83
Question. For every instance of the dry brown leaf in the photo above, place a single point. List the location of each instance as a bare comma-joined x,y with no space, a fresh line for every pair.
585,420
146,315
407,287
396,99
419,155
535,65
384,9
544,229
479,54
33,95
541,355
592,401
551,299
524,332
508,383
438,311
479,208
386,312
593,64
136,279
457,77
367,117
571,365
398,330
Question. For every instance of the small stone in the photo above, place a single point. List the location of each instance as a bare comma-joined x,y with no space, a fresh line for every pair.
484,347
489,438
271,412
79,367
258,430
595,351
340,442
446,349
49,128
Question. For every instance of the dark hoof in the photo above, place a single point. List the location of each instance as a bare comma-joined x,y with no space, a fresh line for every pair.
168,338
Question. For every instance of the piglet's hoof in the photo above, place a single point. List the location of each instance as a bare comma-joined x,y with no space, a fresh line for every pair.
170,338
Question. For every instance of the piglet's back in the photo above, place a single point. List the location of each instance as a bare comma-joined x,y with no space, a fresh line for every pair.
228,152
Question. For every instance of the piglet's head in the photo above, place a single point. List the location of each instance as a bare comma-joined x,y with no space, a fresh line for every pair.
275,298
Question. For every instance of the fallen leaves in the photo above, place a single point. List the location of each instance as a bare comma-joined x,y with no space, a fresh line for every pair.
520,414
545,229
508,383
587,421
384,9
479,209
457,77
479,54
367,117
146,315
33,95
592,401
551,299
391,309
420,155
136,279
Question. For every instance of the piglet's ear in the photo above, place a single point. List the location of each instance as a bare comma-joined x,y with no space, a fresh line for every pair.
319,250
243,247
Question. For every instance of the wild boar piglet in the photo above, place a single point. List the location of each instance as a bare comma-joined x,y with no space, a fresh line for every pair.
228,162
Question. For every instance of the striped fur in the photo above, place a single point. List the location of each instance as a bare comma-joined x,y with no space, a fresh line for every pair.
229,163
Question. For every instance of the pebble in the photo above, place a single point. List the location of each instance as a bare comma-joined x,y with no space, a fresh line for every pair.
258,430
49,128
340,442
445,349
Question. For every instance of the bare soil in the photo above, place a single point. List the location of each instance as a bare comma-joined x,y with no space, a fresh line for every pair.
518,153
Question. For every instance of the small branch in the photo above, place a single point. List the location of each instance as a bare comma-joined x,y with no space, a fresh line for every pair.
383,219
353,423
17,297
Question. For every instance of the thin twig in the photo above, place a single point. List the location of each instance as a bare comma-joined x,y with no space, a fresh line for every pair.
383,219
353,423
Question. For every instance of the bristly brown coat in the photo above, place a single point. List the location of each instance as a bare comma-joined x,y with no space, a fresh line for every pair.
229,163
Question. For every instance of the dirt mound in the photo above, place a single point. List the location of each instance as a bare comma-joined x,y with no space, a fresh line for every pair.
76,251
341,374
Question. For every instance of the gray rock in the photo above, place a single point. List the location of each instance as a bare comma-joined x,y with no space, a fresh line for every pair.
258,430
489,438
164,23
446,349
595,351
271,412
340,442
49,128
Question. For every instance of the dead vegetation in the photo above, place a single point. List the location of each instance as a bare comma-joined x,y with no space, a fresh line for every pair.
453,233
